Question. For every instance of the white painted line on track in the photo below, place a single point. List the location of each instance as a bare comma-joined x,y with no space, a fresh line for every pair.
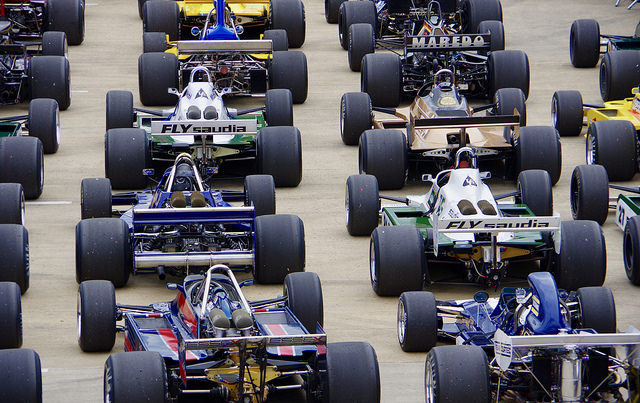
79,91
46,203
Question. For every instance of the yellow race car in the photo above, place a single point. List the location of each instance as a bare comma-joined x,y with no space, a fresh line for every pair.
612,139
183,20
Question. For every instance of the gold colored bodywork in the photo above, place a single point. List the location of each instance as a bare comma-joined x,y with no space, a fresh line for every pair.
625,109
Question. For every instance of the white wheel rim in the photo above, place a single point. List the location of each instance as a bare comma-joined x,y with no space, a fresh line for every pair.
591,149
554,111
429,383
79,316
372,264
402,321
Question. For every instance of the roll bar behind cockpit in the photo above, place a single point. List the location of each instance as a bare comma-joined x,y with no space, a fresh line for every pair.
185,158
223,269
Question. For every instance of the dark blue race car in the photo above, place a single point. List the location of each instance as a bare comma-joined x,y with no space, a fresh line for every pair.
211,343
183,227
529,344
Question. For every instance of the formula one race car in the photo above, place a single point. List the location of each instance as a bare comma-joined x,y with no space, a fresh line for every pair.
31,19
211,343
184,19
458,232
611,134
540,344
590,201
246,67
438,123
183,227
204,127
435,24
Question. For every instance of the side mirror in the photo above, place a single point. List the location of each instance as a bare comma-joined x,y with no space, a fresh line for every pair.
427,178
485,175
148,172
173,91
481,297
635,90
172,286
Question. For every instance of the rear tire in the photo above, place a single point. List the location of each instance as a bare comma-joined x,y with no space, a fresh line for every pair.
10,316
597,309
103,251
538,147
279,154
457,374
278,108
288,70
631,249
126,156
508,69
590,193
22,161
162,16
95,198
396,260
21,375
49,78
381,78
383,154
584,43
535,190
354,12
304,293
417,321
567,112
135,376
612,144
14,255
362,42
582,261
619,73
96,315
11,204
355,116
260,192
67,16
157,72
279,247
120,113
362,204
353,374
289,15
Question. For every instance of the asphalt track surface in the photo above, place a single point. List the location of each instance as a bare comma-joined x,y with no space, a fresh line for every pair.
108,60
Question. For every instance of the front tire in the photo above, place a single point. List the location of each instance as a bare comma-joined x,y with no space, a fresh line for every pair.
567,112
135,376
362,204
417,321
457,374
304,298
279,154
590,193
96,311
383,154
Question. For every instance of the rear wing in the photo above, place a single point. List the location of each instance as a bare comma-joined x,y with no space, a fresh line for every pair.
200,215
203,128
466,122
506,347
249,46
446,43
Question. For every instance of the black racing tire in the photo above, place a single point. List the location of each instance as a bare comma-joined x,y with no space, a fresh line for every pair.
538,147
279,247
631,249
54,43
567,112
612,144
457,374
161,16
67,16
11,204
584,43
96,311
383,154
381,78
362,42
22,161
120,113
103,251
582,261
534,188
619,73
354,12
279,154
279,39
597,309
396,260
95,198
476,11
154,42
590,193
417,321
362,204
157,72
10,316
49,78
289,15
509,99
14,253
356,116
126,155
332,10
21,374
508,69
278,107
135,376
260,192
353,374
141,8
289,70
44,123
496,30
304,298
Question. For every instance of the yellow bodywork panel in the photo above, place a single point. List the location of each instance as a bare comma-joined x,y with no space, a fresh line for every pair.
251,8
626,109
219,375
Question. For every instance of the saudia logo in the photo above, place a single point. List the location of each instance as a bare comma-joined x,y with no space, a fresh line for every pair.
460,41
471,224
188,128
